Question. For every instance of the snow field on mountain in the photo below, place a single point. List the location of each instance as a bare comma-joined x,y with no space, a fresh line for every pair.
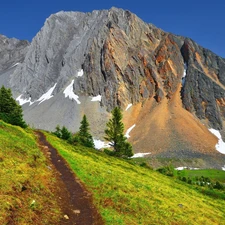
97,98
220,146
127,134
47,95
69,93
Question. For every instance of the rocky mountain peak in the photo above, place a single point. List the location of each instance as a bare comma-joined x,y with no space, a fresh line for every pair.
167,85
12,51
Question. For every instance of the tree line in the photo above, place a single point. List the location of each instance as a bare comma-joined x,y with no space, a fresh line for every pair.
114,134
11,112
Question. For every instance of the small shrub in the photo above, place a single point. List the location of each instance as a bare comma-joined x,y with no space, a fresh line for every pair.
62,133
144,164
218,186
167,170
189,180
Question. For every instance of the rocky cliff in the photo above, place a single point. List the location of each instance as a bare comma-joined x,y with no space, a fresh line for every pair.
12,52
167,85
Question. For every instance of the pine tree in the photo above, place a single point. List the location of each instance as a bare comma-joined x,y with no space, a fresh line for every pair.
114,134
10,111
65,134
84,135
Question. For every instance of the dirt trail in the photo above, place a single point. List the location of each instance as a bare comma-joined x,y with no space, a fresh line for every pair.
75,201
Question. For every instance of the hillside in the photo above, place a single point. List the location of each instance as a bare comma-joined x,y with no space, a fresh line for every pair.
37,188
123,192
129,194
27,183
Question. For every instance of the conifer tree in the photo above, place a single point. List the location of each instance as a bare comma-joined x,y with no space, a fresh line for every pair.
65,134
114,134
84,135
10,111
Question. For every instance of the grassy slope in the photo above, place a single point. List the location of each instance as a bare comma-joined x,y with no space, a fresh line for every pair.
24,178
213,174
130,194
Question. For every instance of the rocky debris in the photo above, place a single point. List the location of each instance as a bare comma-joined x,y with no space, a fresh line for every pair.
77,211
66,217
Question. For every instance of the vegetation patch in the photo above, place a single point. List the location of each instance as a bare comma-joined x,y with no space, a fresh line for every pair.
126,193
26,182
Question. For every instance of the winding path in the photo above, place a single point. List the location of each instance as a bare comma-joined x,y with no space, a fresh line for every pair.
75,201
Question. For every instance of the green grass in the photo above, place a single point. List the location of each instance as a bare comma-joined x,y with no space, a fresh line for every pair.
128,194
25,181
213,174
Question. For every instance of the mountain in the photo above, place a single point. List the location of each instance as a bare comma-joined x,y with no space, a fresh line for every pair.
171,90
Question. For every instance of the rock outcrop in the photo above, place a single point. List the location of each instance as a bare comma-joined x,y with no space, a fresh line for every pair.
12,53
174,85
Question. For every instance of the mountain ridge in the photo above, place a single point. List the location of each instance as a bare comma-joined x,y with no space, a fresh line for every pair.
119,59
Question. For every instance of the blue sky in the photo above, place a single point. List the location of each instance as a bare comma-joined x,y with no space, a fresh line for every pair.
203,21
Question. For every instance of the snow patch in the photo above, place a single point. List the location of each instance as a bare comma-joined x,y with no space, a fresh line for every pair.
185,70
220,146
127,135
15,65
100,144
139,155
44,97
128,107
181,168
185,167
47,95
23,101
97,98
80,73
184,74
69,93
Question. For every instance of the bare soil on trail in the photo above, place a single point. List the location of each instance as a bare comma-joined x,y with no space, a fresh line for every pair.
74,199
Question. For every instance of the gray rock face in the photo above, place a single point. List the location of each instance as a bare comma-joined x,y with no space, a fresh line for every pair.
57,53
12,52
204,90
